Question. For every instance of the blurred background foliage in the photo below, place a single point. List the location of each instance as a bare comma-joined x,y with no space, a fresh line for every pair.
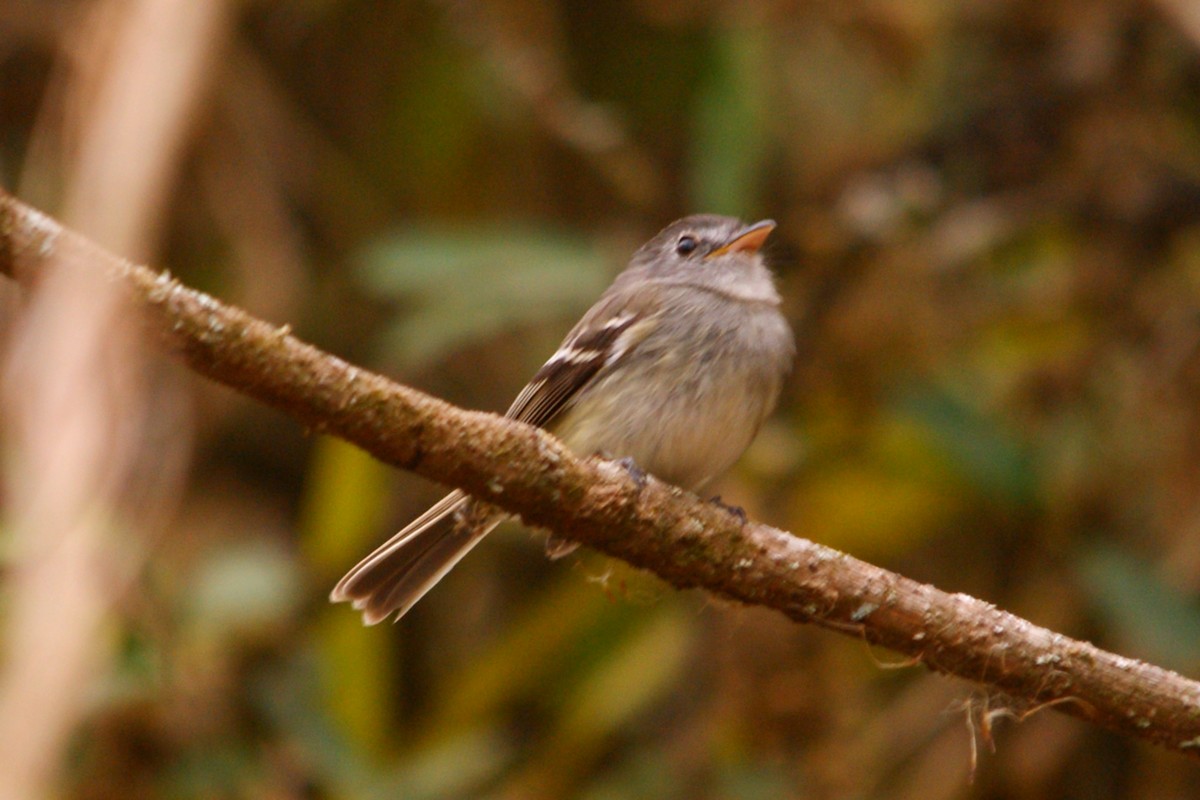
989,242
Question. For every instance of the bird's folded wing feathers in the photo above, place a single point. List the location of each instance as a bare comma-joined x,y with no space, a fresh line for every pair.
591,347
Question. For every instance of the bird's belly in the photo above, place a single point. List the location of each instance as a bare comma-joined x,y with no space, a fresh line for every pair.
688,433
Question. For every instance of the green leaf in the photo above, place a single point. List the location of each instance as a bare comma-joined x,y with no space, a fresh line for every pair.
466,284
979,446
342,517
245,589
1160,623
730,145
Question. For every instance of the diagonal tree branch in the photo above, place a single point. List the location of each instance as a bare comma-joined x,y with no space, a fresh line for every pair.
684,540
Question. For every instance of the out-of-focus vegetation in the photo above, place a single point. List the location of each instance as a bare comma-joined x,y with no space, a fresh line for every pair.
989,241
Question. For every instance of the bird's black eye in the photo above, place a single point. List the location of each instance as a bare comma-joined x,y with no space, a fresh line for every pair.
686,245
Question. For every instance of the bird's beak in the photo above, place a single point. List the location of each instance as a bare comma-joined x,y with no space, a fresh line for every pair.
747,240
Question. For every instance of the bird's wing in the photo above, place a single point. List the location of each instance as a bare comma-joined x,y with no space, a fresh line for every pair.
601,339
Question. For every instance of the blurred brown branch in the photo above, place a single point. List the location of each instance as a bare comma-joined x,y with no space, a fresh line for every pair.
85,467
687,542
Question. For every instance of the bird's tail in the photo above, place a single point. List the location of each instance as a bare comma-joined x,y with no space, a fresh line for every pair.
405,567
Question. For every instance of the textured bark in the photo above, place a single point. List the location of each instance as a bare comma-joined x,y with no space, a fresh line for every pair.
686,541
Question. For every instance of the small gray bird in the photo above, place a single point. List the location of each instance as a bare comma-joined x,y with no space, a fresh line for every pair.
675,367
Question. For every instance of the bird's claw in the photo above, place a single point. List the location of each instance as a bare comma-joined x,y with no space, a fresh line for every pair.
736,511
637,473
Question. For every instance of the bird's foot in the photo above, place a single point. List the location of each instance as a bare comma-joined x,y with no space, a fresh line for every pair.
637,473
736,511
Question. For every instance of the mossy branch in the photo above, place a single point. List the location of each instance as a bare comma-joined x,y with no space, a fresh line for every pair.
686,541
